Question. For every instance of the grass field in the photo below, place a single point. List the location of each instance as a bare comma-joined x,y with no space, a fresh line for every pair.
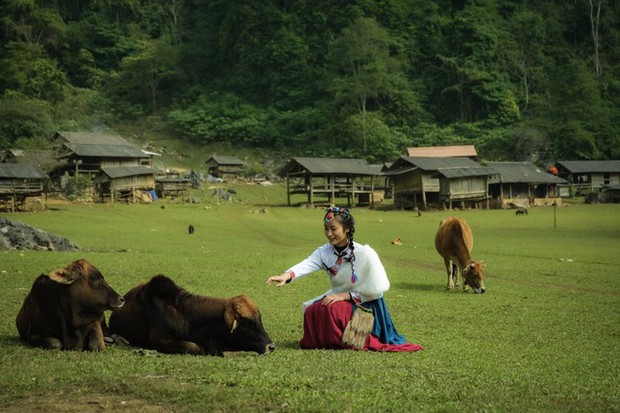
543,338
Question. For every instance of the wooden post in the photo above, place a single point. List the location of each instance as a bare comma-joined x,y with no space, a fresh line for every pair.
372,190
350,193
311,192
288,190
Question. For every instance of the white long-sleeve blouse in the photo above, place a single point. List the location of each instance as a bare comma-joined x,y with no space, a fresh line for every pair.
371,283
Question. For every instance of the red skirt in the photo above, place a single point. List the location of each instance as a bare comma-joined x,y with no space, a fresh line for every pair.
324,325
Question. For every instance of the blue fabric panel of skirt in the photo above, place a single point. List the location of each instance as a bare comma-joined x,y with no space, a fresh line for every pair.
383,326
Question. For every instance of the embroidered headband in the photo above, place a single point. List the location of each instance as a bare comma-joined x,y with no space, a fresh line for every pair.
333,211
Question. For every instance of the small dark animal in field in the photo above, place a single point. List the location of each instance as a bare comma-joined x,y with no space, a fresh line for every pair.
162,316
190,229
521,211
64,309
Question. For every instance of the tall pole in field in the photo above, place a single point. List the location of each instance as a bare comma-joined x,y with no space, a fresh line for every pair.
555,204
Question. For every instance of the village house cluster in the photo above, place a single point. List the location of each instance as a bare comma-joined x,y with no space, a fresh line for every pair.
426,177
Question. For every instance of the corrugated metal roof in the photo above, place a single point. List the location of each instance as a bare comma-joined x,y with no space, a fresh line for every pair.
591,166
398,171
92,138
226,160
107,151
465,172
523,172
448,167
330,166
433,164
443,151
21,171
124,171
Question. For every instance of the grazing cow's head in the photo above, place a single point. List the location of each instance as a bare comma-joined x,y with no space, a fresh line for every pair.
88,287
474,277
246,328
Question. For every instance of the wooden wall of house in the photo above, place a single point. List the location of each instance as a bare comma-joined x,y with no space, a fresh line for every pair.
600,179
463,188
115,162
414,181
471,187
133,182
22,194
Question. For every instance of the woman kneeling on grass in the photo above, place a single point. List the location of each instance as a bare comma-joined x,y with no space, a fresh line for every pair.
353,313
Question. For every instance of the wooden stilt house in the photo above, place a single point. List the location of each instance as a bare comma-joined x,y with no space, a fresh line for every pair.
125,184
424,181
523,184
22,186
323,180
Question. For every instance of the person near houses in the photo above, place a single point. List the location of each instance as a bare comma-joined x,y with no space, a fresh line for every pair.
352,313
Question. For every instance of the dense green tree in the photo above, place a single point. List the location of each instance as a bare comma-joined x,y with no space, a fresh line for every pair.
142,74
22,119
363,74
520,79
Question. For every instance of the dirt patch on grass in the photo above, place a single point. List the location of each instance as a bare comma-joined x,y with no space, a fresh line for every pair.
92,403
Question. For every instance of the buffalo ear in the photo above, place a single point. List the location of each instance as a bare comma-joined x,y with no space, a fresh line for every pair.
71,273
230,317
62,276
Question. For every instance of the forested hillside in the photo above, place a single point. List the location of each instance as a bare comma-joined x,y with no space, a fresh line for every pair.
519,79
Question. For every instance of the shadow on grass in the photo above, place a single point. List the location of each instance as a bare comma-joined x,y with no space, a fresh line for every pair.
287,344
420,287
11,340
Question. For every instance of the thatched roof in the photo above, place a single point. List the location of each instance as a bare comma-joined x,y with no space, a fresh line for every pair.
21,171
522,172
328,166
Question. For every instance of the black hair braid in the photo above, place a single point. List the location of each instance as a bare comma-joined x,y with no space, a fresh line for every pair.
349,223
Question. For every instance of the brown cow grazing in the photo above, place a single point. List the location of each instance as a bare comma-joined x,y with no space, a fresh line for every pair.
162,316
64,309
454,242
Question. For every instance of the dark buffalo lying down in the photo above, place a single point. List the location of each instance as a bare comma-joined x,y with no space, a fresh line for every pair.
162,316
64,309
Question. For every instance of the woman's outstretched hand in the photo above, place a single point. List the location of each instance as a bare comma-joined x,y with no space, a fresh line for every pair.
279,279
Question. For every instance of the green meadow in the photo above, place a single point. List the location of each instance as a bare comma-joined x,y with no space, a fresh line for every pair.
544,337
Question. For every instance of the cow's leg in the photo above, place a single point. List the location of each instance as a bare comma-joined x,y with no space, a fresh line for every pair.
457,277
94,335
465,286
49,343
172,346
448,264
215,347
